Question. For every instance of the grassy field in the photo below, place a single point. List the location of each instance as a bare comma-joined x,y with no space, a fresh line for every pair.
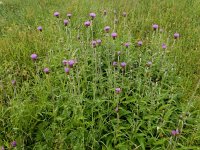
116,94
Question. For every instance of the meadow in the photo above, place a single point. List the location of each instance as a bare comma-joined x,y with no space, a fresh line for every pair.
100,74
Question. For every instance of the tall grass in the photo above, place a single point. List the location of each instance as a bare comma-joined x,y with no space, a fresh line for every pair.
82,110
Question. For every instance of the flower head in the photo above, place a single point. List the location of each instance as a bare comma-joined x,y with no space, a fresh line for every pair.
13,82
104,12
39,28
114,63
175,132
118,90
14,144
71,63
164,46
46,70
117,109
87,23
94,43
99,42
139,43
66,22
33,56
69,15
65,62
67,70
176,35
123,64
119,53
2,148
114,35
92,15
107,29
127,45
57,14
155,26
148,64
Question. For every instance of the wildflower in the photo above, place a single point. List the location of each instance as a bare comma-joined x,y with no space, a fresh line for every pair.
13,82
124,14
118,90
148,64
139,43
71,63
114,35
127,45
176,35
14,144
99,42
164,46
46,70
87,23
65,62
92,15
34,56
123,64
107,29
117,109
67,70
66,22
69,15
118,53
57,14
2,148
155,26
94,43
39,28
114,63
175,132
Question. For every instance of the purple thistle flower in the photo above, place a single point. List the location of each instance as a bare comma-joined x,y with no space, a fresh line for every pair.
92,15
46,70
127,45
114,63
175,132
14,144
87,23
164,46
155,26
2,148
114,35
139,43
176,35
107,29
69,15
39,28
34,56
123,64
94,43
71,63
99,42
66,22
13,82
148,64
118,90
124,14
65,62
56,14
67,70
